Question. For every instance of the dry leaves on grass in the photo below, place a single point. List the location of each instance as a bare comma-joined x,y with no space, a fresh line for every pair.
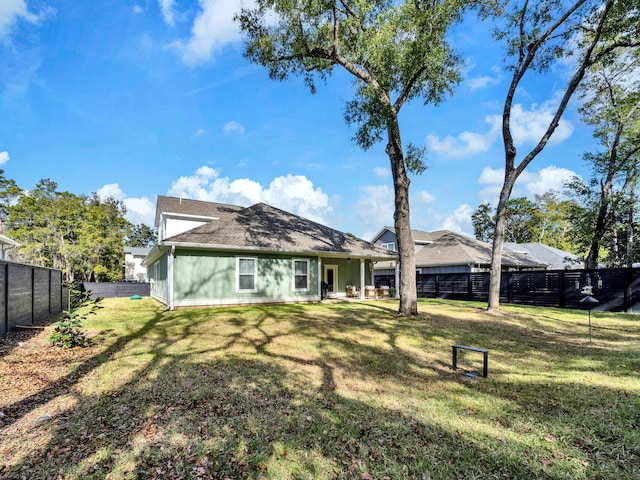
32,372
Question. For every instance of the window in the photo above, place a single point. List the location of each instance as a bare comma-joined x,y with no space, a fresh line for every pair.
247,269
390,246
301,275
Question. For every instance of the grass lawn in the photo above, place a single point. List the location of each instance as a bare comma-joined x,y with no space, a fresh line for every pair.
337,390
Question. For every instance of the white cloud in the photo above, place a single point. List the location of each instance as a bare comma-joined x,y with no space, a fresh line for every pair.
212,29
12,10
528,184
4,157
139,210
466,143
459,220
198,133
374,208
166,7
293,193
381,172
528,126
485,81
233,127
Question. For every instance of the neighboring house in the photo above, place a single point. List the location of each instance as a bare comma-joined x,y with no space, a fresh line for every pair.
133,269
216,254
554,258
6,244
444,251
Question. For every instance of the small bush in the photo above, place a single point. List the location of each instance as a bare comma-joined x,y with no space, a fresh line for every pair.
68,331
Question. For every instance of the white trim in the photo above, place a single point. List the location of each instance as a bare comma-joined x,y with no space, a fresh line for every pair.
308,274
312,253
255,275
244,301
333,267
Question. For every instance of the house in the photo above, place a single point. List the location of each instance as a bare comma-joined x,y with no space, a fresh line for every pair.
555,259
6,244
444,251
133,269
217,254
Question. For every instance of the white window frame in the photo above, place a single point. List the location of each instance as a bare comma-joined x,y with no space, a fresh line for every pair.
308,274
255,275
389,246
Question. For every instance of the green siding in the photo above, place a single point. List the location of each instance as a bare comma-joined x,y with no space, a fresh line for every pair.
202,277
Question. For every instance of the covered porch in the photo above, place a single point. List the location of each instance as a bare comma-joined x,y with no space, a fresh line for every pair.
352,277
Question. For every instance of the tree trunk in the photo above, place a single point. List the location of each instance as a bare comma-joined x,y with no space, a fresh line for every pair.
496,251
406,248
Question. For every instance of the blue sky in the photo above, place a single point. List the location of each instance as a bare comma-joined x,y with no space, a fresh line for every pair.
139,98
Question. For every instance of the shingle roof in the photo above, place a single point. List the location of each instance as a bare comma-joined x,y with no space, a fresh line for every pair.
197,208
262,227
554,257
449,248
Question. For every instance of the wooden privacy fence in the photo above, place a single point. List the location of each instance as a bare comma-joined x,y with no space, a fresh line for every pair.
617,290
28,294
118,289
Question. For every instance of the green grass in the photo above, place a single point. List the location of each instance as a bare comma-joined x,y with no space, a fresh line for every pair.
342,390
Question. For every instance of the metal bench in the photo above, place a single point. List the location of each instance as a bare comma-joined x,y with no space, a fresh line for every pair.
485,353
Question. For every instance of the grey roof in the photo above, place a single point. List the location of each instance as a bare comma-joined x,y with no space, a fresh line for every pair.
140,251
450,248
265,228
555,258
195,208
418,236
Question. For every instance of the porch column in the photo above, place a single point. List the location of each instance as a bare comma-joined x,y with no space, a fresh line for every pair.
397,280
320,278
362,279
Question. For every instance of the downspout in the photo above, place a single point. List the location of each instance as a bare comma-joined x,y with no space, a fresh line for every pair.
170,281
397,295
362,279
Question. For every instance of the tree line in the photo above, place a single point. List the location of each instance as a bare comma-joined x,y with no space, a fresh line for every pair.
82,235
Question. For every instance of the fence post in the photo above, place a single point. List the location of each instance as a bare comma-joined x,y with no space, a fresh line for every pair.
437,285
6,298
469,286
33,295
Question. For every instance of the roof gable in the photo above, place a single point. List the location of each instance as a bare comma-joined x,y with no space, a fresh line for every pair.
184,207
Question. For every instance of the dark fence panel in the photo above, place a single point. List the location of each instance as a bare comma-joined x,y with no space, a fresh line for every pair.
28,294
118,289
20,311
617,290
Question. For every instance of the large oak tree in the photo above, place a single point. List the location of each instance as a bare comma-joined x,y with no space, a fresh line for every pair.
394,51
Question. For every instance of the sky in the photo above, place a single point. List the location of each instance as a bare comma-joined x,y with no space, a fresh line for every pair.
139,98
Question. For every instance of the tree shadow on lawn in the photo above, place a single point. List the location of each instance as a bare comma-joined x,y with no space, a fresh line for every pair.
241,402
250,418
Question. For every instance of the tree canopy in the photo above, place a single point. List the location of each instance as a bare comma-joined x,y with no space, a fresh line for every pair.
395,52
81,235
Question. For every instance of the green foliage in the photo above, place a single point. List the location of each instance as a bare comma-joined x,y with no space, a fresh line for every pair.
68,332
547,220
141,236
396,52
83,236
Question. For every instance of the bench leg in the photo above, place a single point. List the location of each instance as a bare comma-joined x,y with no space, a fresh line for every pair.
455,358
485,370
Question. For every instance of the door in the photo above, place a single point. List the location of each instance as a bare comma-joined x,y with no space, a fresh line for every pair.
331,278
